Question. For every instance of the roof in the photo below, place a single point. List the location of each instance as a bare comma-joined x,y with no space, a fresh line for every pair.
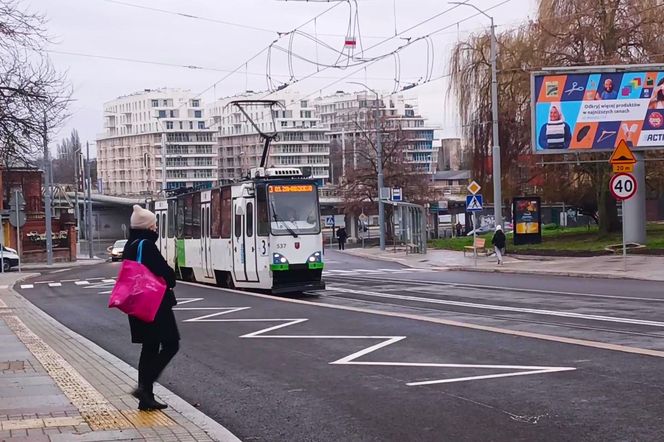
452,175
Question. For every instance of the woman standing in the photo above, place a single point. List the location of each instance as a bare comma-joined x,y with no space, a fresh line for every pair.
160,338
498,242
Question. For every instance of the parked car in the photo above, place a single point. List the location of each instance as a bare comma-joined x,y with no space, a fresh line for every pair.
9,258
116,250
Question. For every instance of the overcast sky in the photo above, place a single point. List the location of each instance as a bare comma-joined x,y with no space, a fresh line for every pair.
112,29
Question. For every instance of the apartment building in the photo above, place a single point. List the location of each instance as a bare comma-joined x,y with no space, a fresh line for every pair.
129,151
302,140
350,117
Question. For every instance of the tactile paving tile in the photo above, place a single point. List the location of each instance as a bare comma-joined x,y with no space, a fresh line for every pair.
147,419
94,408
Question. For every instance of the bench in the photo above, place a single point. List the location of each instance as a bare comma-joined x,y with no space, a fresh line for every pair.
480,245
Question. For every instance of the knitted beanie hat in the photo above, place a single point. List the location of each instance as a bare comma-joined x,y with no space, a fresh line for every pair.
142,218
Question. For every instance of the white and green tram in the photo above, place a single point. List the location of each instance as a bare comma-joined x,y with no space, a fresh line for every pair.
263,233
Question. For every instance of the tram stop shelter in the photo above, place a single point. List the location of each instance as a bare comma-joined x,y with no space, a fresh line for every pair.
410,225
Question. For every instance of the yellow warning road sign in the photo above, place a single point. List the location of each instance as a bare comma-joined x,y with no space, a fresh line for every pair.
622,155
623,168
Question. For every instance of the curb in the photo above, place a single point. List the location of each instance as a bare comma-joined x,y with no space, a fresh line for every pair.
406,263
213,429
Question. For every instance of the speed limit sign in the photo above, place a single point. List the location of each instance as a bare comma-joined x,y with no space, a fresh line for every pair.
623,186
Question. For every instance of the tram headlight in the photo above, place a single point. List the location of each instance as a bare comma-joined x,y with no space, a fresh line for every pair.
315,261
279,262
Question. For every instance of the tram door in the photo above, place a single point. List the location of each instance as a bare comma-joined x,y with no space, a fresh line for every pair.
160,212
245,263
206,245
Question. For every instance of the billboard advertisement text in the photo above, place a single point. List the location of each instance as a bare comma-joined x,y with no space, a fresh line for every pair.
585,111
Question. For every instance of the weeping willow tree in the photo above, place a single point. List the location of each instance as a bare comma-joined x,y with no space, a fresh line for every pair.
565,33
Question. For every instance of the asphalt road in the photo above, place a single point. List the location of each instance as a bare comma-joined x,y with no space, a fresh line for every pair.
323,368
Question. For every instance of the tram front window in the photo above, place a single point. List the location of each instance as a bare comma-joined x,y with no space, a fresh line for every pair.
294,209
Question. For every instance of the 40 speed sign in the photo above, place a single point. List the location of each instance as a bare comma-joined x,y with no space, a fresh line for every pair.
623,186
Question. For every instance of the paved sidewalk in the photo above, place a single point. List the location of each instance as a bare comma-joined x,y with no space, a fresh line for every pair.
56,386
638,266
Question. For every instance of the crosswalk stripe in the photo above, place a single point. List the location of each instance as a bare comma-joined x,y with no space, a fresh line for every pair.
55,284
27,286
81,283
108,281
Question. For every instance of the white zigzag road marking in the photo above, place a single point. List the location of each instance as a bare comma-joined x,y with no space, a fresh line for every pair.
521,370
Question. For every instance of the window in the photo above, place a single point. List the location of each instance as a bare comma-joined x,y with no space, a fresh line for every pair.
238,226
262,216
196,216
169,125
250,219
215,206
172,217
284,123
165,103
191,125
163,225
198,114
226,203
195,103
201,124
303,103
188,216
162,114
155,103
181,125
172,114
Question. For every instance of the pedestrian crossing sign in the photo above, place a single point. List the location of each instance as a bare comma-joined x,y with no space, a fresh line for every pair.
474,203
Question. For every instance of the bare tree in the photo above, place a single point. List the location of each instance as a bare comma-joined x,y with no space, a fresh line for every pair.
360,185
565,33
32,94
64,166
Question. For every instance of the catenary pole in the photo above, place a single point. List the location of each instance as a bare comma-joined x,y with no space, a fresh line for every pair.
88,215
47,198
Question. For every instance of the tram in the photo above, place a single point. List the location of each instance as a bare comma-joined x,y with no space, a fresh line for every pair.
261,233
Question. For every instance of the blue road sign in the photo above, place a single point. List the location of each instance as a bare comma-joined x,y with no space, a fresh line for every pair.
474,203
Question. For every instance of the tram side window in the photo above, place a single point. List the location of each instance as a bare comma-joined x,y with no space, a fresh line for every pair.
262,216
215,209
188,213
226,213
238,226
196,216
250,220
172,216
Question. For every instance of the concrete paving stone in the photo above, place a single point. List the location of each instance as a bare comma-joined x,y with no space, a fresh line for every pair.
16,355
25,380
19,433
34,403
4,434
35,438
98,436
20,424
30,390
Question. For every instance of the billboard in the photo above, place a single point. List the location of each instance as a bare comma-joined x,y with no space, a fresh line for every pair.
593,110
527,220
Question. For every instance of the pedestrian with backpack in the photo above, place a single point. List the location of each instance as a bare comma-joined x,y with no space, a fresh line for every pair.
498,242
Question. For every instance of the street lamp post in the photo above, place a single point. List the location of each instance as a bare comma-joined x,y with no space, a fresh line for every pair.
495,152
379,165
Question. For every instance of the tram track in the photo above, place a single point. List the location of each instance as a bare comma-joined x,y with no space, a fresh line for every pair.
441,304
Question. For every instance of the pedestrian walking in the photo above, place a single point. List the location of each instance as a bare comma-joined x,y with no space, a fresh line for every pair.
458,228
160,338
342,236
498,242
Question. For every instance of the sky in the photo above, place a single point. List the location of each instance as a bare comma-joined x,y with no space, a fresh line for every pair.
225,34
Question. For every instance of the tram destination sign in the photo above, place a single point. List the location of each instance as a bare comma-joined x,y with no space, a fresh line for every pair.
292,188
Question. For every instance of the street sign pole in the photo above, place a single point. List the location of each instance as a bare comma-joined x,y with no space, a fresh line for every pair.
2,248
623,237
475,237
17,213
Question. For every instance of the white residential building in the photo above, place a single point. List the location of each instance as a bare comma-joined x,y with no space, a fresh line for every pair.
129,151
302,140
350,117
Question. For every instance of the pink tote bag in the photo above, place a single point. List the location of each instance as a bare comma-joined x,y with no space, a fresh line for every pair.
138,292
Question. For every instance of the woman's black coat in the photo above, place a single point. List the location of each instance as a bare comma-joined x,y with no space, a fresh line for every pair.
164,327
